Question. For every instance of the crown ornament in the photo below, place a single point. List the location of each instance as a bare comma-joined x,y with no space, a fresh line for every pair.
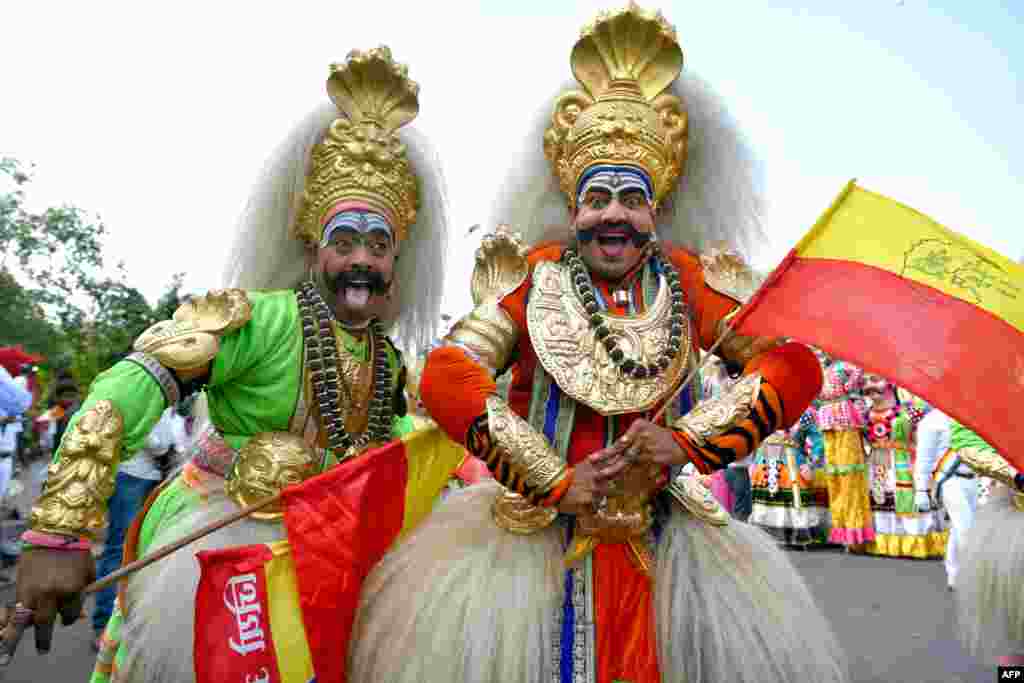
625,60
361,158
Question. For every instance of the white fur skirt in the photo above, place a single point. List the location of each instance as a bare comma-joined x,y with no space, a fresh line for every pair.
157,635
463,601
990,604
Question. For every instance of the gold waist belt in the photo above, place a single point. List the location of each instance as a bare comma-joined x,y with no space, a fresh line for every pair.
622,518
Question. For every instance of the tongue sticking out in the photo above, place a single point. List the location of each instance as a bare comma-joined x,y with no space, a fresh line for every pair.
356,297
612,247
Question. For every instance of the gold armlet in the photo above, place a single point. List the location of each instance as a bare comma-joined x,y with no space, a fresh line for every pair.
501,266
714,416
696,499
190,340
990,464
740,348
74,500
487,334
523,449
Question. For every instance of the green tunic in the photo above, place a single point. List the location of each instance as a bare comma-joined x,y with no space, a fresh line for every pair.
253,387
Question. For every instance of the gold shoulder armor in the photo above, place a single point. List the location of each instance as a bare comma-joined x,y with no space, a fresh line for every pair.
79,482
727,273
714,416
190,340
501,266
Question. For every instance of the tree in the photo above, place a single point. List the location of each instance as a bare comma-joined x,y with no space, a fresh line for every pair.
58,297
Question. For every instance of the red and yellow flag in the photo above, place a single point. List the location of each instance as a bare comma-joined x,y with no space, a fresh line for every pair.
282,613
887,288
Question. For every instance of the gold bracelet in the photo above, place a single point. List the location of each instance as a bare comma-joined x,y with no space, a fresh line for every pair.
82,479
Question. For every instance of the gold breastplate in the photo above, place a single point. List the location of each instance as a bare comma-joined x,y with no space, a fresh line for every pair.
571,353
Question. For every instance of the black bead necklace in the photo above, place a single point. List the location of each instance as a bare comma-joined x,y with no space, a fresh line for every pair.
322,361
630,367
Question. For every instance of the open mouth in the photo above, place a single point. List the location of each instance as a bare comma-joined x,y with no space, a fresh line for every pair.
356,294
612,243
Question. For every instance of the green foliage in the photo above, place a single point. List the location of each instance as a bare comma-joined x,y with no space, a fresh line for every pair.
58,296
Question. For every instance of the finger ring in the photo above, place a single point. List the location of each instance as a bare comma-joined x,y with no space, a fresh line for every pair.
632,453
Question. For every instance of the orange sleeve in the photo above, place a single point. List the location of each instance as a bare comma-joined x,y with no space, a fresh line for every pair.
454,390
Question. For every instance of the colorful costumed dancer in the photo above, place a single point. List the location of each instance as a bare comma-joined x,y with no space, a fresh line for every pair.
989,603
900,529
297,377
785,502
943,480
840,420
589,560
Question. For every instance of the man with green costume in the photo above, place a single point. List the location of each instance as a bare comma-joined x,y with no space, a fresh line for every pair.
298,371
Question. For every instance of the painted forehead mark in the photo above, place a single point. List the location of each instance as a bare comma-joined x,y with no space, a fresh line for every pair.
615,180
359,221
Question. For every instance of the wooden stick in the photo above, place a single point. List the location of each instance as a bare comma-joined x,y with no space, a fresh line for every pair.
166,550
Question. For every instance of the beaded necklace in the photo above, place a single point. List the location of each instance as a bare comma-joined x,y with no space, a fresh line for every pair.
630,367
323,364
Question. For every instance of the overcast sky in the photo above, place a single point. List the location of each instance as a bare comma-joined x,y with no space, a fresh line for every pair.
157,116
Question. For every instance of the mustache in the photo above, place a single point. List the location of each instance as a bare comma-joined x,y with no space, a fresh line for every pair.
633,235
357,277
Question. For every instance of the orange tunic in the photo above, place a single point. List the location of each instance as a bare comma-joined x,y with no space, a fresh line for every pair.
454,389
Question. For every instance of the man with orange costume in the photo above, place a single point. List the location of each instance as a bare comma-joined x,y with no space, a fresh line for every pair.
657,582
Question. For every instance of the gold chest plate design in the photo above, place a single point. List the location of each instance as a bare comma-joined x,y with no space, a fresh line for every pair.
355,385
571,353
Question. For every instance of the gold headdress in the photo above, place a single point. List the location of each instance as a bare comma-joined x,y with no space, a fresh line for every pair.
361,159
625,60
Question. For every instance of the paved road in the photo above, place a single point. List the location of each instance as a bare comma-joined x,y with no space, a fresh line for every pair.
894,617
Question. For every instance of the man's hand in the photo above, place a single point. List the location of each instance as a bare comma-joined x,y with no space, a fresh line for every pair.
646,442
589,483
49,582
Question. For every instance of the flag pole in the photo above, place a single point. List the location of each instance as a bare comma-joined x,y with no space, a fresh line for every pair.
714,347
166,550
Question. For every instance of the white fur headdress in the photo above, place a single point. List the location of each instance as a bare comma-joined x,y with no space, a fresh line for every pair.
265,255
719,200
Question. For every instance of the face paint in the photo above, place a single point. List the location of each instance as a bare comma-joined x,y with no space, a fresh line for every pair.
358,222
617,181
614,219
355,264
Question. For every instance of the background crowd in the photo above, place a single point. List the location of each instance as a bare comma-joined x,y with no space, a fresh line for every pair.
869,467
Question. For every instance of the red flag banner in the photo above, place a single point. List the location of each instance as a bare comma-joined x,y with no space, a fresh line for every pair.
878,284
279,613
340,524
233,638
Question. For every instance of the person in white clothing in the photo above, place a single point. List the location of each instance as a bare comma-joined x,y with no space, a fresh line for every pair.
938,468
15,399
